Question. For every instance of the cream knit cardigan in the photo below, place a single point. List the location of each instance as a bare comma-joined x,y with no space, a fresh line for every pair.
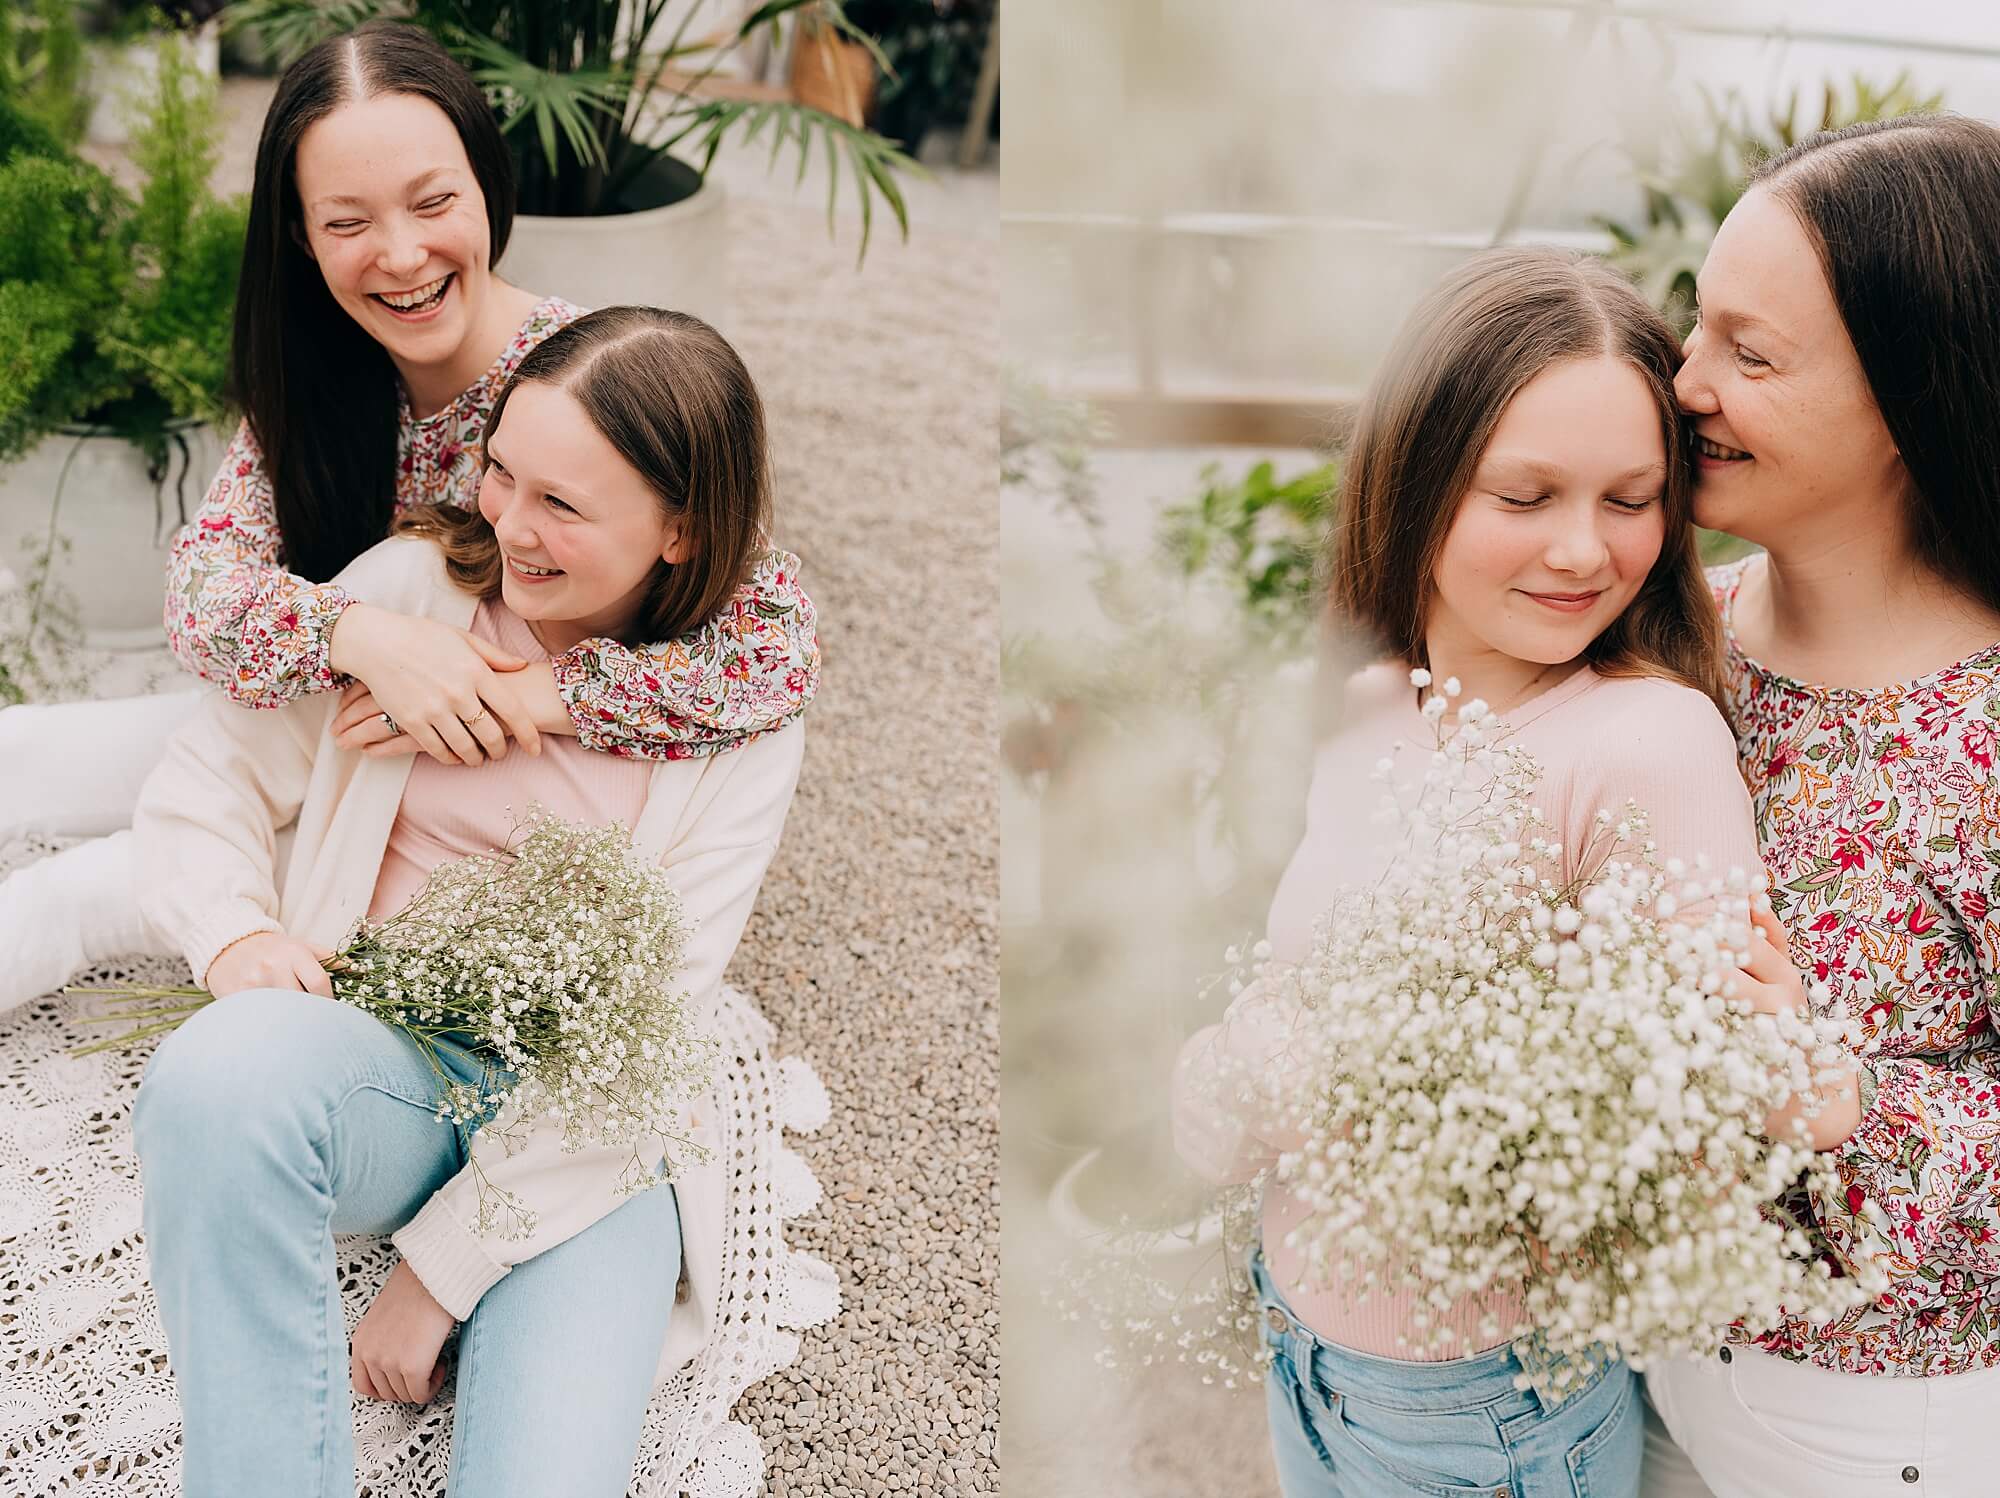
206,833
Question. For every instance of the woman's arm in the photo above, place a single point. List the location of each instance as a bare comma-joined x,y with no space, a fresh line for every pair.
1924,1160
716,866
234,616
750,670
237,618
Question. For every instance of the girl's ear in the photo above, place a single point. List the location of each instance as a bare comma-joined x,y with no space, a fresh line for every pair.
678,545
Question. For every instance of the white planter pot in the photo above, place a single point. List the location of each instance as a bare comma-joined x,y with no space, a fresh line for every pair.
119,521
674,257
122,77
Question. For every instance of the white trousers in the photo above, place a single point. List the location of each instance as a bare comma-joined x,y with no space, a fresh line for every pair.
1758,1426
74,769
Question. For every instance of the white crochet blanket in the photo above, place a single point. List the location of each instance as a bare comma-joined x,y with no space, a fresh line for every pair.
87,1405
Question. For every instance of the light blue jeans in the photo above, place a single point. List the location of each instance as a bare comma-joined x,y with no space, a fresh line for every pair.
272,1120
1347,1424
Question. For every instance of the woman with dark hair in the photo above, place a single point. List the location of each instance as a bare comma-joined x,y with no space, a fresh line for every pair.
371,336
1514,512
1843,384
623,488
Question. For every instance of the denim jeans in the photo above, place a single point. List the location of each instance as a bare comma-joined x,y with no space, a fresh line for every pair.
272,1120
1347,1424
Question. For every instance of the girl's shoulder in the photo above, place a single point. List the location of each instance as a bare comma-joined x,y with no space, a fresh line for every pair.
1647,711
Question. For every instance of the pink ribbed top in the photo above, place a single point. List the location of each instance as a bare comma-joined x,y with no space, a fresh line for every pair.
449,811
1599,742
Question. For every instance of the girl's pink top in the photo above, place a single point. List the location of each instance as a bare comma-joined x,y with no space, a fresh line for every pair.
450,811
1599,741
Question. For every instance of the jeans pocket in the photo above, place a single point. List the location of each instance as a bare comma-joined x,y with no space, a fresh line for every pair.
1605,1463
1456,1454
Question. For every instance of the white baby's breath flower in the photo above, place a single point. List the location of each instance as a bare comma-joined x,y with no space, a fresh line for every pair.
1503,1076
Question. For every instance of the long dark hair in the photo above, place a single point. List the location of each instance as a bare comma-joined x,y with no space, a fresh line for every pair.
318,391
670,394
1467,350
1905,214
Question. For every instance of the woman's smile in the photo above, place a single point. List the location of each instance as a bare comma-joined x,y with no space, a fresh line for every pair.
420,304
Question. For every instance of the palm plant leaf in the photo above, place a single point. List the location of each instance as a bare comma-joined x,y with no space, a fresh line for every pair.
872,161
291,27
573,104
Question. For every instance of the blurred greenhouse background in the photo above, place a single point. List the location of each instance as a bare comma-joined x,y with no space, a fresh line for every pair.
1214,219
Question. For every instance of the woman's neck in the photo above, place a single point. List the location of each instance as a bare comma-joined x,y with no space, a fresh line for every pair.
432,387
1857,611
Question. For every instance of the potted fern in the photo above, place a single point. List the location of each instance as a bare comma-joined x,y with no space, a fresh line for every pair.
615,109
115,314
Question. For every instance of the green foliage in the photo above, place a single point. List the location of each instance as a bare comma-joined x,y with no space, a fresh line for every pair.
933,49
1690,184
114,311
42,101
1261,537
591,93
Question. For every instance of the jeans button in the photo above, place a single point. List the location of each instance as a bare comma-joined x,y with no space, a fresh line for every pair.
1724,1355
1275,1319
1909,1474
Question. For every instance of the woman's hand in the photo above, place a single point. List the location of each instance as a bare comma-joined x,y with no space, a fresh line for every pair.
394,1350
527,695
438,684
1773,986
269,959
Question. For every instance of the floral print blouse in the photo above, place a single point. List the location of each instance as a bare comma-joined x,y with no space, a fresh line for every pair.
1879,818
237,618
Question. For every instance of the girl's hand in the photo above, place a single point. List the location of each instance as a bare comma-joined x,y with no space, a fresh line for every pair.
394,1350
515,697
269,959
437,683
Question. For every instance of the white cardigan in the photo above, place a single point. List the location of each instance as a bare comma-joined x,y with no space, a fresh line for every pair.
206,830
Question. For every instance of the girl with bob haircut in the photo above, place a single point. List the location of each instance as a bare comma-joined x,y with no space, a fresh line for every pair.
1514,512
372,335
623,487
1843,387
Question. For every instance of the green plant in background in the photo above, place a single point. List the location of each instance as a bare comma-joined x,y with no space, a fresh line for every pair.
593,98
1261,537
933,48
1691,184
41,76
116,312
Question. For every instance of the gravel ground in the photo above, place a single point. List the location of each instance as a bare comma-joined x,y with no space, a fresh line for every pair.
874,946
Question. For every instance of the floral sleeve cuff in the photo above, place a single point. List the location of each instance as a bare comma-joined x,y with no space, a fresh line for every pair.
748,671
283,652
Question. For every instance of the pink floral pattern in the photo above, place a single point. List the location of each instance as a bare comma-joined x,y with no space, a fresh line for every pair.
1879,817
237,618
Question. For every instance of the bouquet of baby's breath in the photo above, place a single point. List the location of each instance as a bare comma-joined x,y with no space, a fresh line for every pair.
551,958
1505,1069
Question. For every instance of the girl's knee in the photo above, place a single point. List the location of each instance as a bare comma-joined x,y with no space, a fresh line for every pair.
232,1062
